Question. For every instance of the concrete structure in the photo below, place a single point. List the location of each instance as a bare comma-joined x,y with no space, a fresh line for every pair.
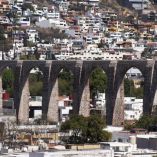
91,153
4,6
65,153
133,108
147,141
115,71
118,147
140,4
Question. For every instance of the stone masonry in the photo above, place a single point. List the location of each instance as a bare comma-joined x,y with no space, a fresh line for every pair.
85,101
115,72
53,104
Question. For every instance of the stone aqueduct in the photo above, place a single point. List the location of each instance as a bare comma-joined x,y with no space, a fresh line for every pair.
115,71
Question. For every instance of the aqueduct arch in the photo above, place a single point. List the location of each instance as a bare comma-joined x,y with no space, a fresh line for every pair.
115,71
52,94
4,66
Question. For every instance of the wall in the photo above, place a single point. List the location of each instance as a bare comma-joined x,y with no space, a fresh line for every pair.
115,71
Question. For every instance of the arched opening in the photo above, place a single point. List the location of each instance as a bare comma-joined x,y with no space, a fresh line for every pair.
65,89
98,86
133,95
7,93
154,103
35,100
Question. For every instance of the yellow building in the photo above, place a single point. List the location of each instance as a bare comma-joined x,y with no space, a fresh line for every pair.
32,138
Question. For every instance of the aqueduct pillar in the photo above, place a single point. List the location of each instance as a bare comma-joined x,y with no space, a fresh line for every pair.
85,101
53,113
23,114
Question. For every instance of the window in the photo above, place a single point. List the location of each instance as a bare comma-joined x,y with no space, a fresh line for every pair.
120,140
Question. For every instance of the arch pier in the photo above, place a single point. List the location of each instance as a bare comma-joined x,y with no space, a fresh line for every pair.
81,70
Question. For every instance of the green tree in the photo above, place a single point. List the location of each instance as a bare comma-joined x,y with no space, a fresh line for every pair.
86,130
95,132
131,91
36,89
98,81
36,84
78,125
8,81
128,87
65,82
138,92
146,121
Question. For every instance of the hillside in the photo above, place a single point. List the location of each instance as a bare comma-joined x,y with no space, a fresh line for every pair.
120,6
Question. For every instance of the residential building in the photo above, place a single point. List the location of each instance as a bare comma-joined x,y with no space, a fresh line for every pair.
65,106
24,21
93,2
19,2
133,108
140,4
4,6
32,35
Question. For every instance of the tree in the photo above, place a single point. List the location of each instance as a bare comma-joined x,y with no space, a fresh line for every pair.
146,121
8,81
36,89
86,130
131,91
95,131
78,125
128,87
36,84
65,82
138,92
98,81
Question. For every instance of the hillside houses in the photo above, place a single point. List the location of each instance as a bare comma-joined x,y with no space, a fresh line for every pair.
92,33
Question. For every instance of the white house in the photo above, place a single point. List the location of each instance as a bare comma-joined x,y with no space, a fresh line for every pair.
35,105
93,2
63,6
4,20
55,23
140,4
24,21
65,107
53,15
133,108
19,2
118,147
32,35
133,73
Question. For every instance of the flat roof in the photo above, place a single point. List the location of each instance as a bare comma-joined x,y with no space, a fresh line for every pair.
117,144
